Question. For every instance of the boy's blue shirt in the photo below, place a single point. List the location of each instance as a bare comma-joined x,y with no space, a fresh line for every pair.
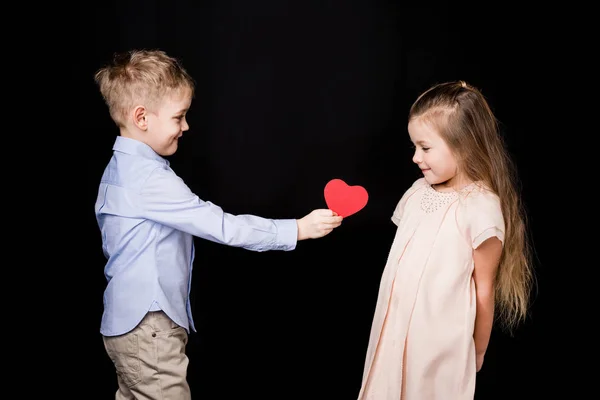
147,217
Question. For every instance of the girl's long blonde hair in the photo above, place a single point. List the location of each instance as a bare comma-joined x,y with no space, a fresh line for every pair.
465,121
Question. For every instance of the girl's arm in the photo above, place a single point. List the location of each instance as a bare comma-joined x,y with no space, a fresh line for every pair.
486,258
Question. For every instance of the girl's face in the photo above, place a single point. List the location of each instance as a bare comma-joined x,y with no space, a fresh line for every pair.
432,155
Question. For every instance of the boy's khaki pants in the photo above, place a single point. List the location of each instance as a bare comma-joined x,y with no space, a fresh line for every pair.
150,360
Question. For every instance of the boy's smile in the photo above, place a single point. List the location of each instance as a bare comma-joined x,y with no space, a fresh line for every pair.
162,127
168,123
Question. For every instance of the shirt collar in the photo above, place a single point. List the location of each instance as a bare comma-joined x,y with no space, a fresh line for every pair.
137,148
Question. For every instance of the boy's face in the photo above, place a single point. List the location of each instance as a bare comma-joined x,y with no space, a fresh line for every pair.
167,124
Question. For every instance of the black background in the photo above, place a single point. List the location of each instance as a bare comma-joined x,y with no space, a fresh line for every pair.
291,94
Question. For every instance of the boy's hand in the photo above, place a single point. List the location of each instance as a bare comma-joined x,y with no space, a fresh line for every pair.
318,224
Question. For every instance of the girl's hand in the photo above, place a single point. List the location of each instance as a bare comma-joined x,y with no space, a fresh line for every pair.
479,361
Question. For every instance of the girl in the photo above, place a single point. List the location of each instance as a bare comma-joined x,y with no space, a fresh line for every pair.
460,253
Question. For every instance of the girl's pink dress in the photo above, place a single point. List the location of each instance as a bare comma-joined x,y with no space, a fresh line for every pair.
421,344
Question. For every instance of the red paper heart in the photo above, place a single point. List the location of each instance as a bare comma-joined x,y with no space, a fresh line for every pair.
343,199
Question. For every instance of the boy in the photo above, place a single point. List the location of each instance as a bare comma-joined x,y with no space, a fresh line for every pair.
148,218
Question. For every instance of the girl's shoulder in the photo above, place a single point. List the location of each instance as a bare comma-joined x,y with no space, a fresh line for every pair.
479,195
407,197
418,184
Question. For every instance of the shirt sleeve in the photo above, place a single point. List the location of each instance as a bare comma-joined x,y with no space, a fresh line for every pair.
485,219
167,200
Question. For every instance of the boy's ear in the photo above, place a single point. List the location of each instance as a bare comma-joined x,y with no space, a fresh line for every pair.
140,117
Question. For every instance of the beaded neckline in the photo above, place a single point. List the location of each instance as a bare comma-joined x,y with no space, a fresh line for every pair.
432,200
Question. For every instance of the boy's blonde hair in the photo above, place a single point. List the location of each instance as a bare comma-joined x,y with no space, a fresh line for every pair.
463,118
143,77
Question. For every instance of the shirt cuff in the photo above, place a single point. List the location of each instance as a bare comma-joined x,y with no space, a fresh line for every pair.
287,234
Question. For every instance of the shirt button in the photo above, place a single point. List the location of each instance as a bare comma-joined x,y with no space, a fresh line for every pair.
153,334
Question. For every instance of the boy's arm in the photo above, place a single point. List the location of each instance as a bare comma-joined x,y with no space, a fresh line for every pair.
486,258
166,199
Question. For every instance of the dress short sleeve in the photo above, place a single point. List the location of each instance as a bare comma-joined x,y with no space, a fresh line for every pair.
484,217
399,210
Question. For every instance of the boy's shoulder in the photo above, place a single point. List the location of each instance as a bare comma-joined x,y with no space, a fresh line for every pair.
130,171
